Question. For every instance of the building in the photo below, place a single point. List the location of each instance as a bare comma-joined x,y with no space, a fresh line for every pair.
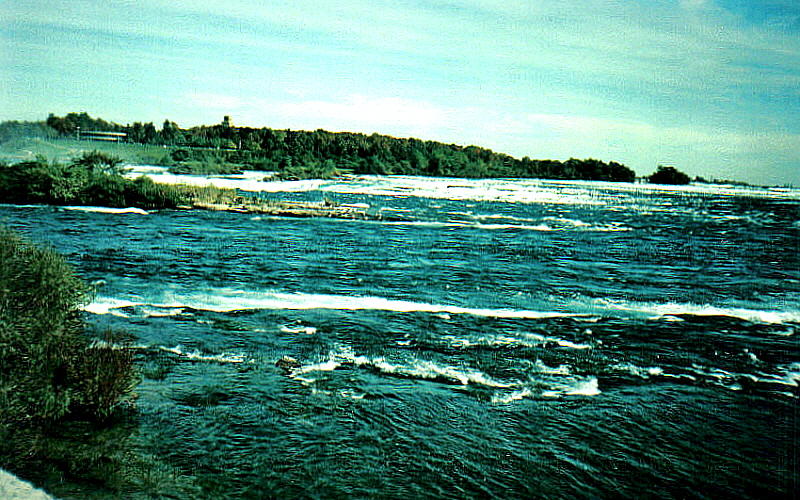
99,135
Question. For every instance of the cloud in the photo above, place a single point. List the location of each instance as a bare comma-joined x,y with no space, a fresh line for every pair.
620,80
359,112
216,102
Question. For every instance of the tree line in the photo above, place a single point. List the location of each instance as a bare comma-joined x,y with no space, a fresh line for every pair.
301,153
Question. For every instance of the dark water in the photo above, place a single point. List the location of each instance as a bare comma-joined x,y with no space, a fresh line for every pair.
605,344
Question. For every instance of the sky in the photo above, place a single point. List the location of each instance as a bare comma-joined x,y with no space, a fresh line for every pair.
711,87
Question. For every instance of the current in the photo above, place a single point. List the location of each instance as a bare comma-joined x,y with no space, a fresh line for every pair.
488,338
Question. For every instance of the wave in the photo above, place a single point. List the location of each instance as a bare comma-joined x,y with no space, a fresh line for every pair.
543,382
196,355
14,205
535,226
523,340
108,305
506,398
193,355
665,310
308,330
645,373
582,387
416,369
229,300
787,375
108,210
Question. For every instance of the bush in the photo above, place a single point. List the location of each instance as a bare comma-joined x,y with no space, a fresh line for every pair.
49,369
93,179
97,160
668,175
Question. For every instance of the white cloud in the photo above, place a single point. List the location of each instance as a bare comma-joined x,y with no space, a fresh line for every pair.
364,112
216,102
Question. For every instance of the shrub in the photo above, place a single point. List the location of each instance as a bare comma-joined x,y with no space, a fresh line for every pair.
668,175
93,179
49,369
98,160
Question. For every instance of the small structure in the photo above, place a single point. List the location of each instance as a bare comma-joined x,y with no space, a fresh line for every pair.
99,135
226,122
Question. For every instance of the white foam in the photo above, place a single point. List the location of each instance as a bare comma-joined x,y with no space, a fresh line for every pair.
643,372
325,366
540,367
108,210
196,355
108,305
501,227
512,396
308,330
787,375
561,192
579,387
416,368
674,309
155,312
588,387
482,341
352,395
571,345
228,300
536,340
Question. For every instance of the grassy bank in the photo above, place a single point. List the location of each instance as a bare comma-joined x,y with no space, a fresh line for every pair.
65,149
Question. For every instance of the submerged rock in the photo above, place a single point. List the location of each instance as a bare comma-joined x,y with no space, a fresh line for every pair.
287,364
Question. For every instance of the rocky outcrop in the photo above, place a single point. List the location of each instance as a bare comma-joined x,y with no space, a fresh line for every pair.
290,209
13,488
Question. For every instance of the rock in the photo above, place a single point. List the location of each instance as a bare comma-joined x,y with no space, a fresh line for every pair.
287,363
12,488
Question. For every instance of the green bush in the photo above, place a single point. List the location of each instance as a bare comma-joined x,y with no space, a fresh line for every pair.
63,423
49,369
93,179
668,175
98,160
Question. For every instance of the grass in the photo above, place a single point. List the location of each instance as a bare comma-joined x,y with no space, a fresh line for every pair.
26,149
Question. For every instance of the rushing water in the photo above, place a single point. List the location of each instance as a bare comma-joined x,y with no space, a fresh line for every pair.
494,338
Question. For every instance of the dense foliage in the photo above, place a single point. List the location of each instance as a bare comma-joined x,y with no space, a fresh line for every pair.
71,122
92,179
64,398
668,175
307,154
49,370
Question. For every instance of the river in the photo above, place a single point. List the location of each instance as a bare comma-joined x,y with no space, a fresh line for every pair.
490,338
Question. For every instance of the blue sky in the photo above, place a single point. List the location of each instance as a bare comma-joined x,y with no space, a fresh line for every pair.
710,86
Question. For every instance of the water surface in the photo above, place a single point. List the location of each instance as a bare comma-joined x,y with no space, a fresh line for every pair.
491,338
